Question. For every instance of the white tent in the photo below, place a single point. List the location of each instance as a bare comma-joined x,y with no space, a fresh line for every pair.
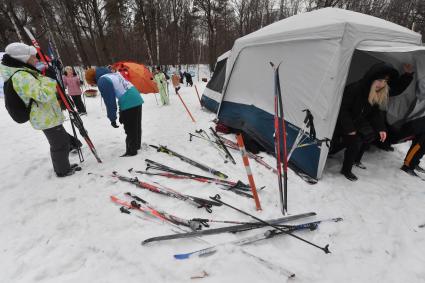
211,97
316,51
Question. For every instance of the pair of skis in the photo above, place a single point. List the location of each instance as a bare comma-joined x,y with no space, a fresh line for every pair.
168,172
280,138
142,205
255,238
195,201
228,229
183,158
73,114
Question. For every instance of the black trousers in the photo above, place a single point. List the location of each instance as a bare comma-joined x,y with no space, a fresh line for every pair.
59,148
132,121
78,103
416,152
417,149
355,148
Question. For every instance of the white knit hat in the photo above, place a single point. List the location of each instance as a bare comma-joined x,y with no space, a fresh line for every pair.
20,51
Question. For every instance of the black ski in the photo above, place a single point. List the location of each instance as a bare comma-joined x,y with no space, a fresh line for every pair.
161,167
234,228
164,149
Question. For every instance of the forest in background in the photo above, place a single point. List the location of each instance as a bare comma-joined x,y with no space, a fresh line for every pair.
167,32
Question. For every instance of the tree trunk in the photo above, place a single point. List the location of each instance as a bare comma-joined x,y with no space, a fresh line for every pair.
13,19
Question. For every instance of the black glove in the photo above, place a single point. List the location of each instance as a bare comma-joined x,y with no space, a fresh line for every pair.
114,124
49,72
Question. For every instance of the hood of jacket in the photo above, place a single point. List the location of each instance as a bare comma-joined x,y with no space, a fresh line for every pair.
100,71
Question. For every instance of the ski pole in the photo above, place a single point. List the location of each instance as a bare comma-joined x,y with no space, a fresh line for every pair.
211,142
187,110
197,94
217,198
222,145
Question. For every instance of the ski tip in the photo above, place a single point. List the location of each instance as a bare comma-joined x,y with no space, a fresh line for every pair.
181,256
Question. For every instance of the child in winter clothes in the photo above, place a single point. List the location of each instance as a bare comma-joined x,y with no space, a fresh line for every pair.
188,78
46,114
161,82
175,79
73,84
113,87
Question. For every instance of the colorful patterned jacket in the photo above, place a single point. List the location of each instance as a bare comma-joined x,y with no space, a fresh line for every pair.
45,112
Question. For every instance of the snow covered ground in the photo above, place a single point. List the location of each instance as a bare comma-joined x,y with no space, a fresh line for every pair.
68,230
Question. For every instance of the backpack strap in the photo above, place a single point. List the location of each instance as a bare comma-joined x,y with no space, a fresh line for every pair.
31,99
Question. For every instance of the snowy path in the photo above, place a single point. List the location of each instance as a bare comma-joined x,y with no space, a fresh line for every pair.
67,230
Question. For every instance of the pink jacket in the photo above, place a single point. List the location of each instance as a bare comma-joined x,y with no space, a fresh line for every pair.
73,85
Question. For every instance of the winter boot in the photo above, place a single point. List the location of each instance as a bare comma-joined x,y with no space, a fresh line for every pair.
73,168
349,175
409,170
360,165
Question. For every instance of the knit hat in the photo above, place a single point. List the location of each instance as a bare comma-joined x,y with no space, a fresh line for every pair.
20,51
382,71
91,76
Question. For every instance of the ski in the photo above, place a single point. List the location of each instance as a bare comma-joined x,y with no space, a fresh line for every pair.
245,241
233,228
198,202
73,114
142,205
161,167
280,136
176,176
168,172
168,151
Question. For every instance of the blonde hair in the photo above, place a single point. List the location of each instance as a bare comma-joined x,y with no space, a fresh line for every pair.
69,70
379,97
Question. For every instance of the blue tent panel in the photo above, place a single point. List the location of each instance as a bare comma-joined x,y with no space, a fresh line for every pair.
209,103
259,124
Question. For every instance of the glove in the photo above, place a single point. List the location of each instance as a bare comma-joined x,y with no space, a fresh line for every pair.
114,124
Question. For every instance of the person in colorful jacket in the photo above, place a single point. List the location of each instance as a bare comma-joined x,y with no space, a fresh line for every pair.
113,87
45,114
175,79
161,81
73,84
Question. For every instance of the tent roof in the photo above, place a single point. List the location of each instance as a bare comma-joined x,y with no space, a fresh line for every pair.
223,56
331,22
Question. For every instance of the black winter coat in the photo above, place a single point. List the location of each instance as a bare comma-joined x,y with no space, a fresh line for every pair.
355,110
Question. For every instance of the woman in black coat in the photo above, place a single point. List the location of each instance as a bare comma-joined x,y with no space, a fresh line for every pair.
361,118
